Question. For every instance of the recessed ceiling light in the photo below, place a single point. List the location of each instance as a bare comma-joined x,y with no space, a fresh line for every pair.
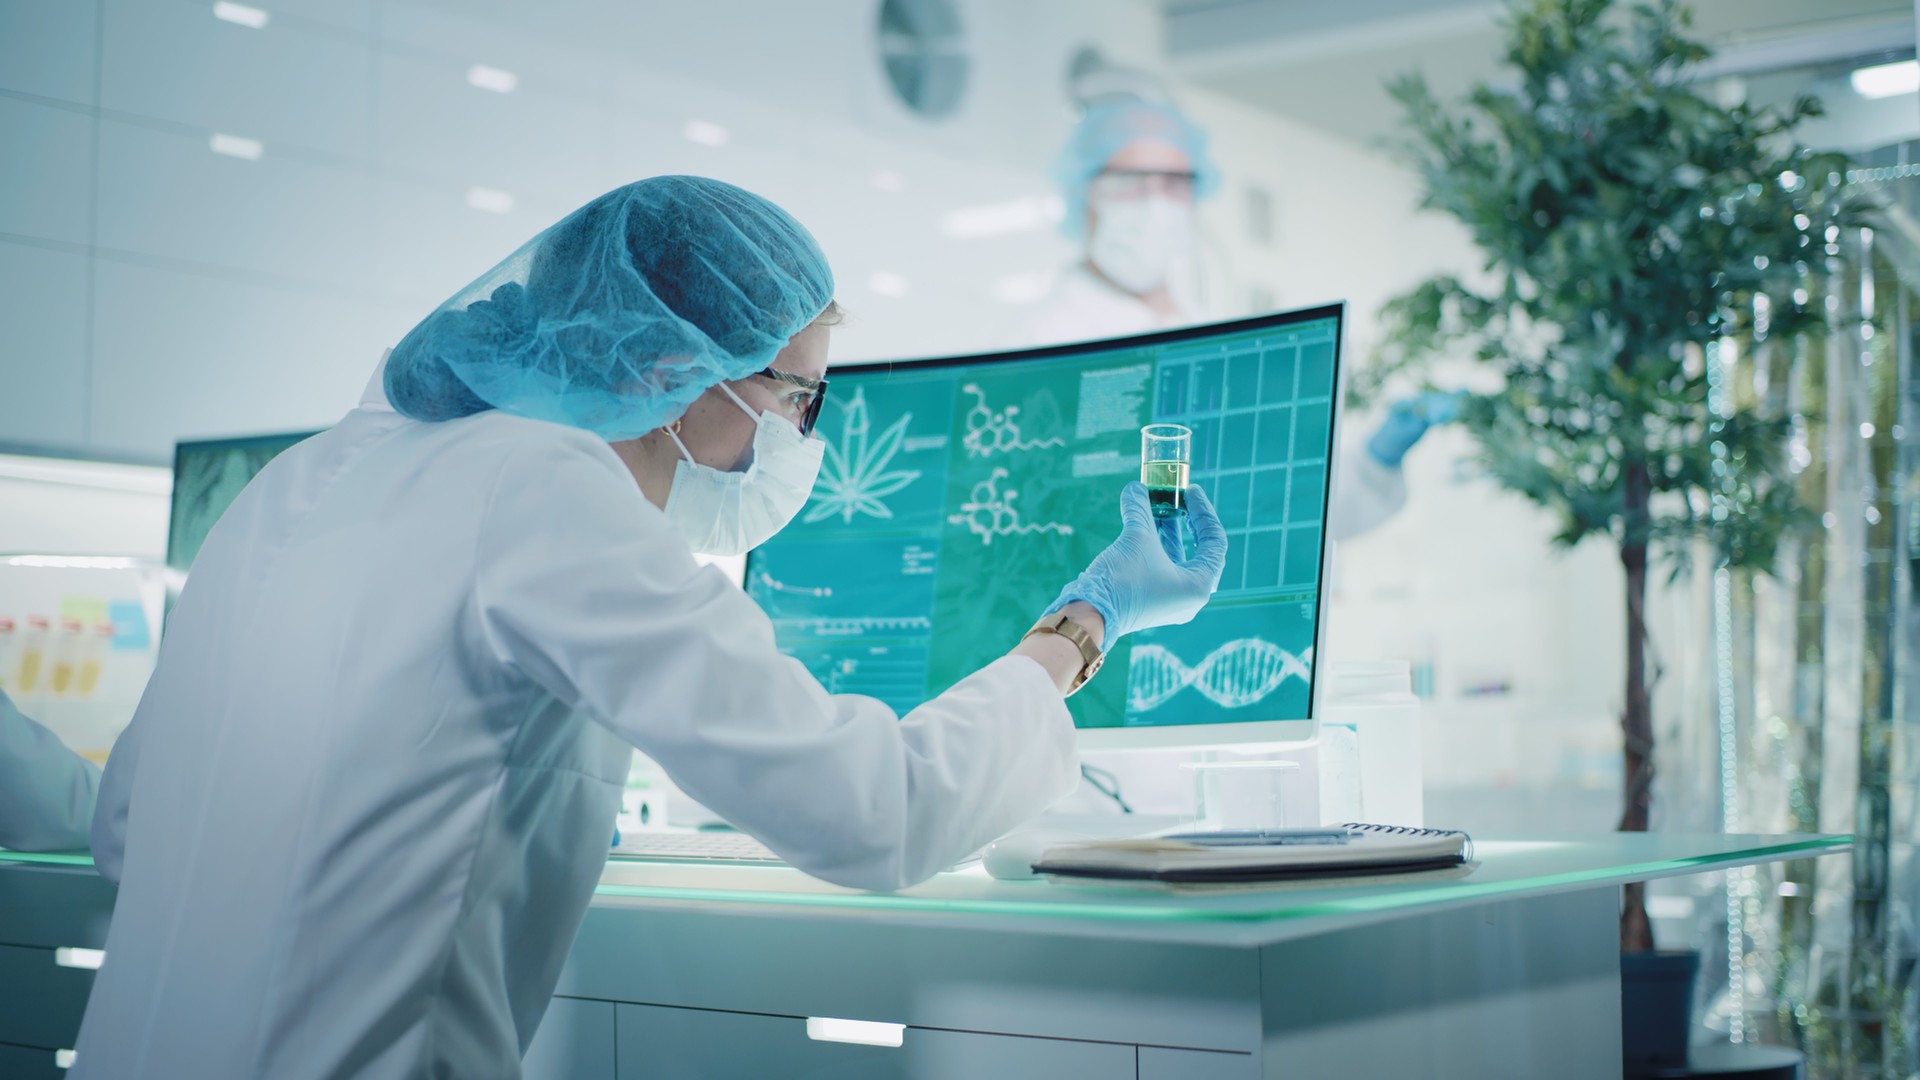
236,146
706,133
1028,213
491,200
887,283
492,78
241,15
1887,80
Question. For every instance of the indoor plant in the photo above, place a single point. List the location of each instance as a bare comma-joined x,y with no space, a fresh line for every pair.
1635,230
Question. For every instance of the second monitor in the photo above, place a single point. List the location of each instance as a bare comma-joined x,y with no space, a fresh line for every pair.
959,496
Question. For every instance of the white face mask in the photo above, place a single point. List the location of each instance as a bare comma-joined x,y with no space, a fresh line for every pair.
730,513
1136,241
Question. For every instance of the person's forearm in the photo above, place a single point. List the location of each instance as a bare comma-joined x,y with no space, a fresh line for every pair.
1059,656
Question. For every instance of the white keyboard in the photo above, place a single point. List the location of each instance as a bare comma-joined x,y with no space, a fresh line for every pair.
717,846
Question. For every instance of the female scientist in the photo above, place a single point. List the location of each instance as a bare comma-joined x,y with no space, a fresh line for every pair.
362,807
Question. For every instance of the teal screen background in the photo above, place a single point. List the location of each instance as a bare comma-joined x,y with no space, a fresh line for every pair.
958,497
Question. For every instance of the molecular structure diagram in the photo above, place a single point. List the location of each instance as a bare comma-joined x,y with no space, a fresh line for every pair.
990,433
989,512
1236,674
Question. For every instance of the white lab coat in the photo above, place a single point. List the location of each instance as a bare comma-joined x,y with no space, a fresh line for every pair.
1085,307
361,810
46,790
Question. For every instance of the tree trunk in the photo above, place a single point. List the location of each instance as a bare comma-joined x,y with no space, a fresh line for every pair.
1636,719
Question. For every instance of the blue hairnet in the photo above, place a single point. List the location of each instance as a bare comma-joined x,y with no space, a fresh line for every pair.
617,318
1111,124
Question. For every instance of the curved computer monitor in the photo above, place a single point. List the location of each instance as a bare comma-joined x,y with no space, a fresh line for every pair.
960,494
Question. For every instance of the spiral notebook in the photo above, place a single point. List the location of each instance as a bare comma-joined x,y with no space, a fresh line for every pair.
1229,859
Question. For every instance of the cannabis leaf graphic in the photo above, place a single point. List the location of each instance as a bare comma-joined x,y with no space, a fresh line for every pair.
854,476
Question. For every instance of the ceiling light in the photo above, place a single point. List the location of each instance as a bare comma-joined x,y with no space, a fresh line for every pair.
490,200
492,78
1022,288
706,133
241,15
1028,213
1887,80
887,283
235,146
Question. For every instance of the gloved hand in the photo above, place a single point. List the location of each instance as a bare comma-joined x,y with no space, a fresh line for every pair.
1142,580
1407,420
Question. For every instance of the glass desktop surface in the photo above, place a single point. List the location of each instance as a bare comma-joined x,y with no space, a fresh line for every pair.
959,495
1503,868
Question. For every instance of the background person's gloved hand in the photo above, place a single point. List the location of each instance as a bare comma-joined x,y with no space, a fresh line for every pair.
1142,579
1407,420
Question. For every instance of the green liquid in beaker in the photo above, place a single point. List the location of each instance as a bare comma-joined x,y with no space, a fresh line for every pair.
1166,486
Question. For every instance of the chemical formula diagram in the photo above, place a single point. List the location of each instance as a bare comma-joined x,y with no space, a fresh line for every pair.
990,433
989,512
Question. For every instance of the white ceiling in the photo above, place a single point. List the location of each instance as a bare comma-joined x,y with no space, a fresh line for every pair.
1327,64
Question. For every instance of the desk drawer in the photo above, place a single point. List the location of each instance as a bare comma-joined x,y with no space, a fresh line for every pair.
664,1043
40,1001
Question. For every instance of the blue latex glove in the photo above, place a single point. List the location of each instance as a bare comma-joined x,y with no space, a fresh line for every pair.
1407,420
1142,580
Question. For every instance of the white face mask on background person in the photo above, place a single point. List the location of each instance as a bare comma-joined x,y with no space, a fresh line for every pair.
730,513
1135,242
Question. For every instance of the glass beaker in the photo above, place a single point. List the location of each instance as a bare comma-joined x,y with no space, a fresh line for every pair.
1165,451
1246,795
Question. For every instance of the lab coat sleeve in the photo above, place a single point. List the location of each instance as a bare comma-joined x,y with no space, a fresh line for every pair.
46,790
108,834
1365,493
589,590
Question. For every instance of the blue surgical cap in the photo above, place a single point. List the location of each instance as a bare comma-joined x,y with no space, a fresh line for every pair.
1113,123
617,318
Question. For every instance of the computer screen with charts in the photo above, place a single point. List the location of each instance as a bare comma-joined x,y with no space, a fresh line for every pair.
207,476
960,494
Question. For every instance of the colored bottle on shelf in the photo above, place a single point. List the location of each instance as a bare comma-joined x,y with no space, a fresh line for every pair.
93,656
33,653
64,657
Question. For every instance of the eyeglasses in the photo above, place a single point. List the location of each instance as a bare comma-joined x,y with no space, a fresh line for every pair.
1140,183
810,412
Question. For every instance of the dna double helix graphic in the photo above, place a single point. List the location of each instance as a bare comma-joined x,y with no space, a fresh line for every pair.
1238,673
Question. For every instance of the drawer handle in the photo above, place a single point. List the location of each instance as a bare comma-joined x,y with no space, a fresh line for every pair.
860,1032
71,957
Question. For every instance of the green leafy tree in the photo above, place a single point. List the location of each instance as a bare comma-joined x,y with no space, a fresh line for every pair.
1634,229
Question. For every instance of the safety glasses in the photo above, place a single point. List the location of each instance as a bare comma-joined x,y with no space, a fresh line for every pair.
1139,183
810,413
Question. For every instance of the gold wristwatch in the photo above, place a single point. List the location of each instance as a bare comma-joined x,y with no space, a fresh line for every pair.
1090,654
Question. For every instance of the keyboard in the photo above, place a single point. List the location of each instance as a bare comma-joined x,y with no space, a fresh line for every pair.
716,846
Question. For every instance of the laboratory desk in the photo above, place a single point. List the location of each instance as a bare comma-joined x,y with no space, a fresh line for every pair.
1506,968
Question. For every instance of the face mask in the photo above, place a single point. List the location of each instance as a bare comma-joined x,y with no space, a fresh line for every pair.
729,513
1135,241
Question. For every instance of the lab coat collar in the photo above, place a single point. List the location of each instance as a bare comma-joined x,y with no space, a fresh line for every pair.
374,397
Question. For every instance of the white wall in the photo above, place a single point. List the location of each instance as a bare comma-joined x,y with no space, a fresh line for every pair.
154,290
52,507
